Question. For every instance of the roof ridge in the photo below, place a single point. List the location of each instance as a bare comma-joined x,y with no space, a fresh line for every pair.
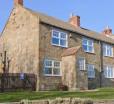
36,13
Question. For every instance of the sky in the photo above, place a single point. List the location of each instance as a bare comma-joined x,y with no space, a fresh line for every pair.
94,14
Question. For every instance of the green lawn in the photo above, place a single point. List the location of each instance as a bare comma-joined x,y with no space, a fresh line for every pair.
105,93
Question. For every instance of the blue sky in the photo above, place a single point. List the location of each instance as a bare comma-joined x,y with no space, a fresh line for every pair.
95,14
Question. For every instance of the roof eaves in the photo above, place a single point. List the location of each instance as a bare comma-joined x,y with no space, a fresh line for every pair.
64,25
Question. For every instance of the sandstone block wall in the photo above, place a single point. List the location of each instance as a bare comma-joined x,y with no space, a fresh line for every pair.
63,101
69,77
21,41
82,75
108,81
47,50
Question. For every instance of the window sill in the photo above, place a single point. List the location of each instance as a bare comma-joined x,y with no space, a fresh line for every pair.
47,75
83,70
109,78
109,56
91,77
59,46
90,52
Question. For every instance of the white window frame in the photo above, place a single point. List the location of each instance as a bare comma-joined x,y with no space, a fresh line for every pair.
108,70
84,64
53,61
65,39
106,48
92,70
88,45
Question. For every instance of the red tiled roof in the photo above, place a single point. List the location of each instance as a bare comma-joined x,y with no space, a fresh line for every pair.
70,51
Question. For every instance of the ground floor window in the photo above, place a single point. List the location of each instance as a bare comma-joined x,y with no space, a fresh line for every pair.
108,71
81,63
91,71
51,67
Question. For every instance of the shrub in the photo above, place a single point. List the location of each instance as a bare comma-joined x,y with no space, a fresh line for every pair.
62,87
91,85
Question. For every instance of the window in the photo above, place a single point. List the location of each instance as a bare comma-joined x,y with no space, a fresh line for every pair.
59,38
81,63
51,67
88,45
108,71
91,71
107,50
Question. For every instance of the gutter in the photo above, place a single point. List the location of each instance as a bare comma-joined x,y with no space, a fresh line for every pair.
101,63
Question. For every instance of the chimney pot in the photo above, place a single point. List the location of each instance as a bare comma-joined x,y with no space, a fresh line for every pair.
74,20
18,2
107,31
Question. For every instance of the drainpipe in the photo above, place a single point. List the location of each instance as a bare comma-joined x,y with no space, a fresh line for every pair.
101,59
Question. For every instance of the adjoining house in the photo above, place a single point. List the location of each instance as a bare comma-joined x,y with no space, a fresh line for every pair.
58,52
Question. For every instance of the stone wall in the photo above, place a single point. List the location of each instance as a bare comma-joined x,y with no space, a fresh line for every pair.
63,101
108,81
91,58
21,41
47,50
56,101
69,72
82,76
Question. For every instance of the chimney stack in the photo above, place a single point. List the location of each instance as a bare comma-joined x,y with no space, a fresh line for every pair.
107,31
18,2
74,20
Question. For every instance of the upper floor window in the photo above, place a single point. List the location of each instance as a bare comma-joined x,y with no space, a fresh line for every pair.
107,50
109,71
51,68
88,45
81,63
91,71
59,38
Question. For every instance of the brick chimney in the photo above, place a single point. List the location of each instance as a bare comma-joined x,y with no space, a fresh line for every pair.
74,20
18,2
107,31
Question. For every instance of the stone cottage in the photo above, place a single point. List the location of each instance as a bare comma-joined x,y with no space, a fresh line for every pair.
57,51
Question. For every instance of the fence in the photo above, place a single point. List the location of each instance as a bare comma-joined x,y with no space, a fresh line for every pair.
17,81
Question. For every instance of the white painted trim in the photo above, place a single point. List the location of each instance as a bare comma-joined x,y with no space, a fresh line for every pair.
106,47
93,49
59,38
84,62
52,67
93,70
106,69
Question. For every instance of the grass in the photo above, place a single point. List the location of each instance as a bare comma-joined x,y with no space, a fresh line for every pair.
104,93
